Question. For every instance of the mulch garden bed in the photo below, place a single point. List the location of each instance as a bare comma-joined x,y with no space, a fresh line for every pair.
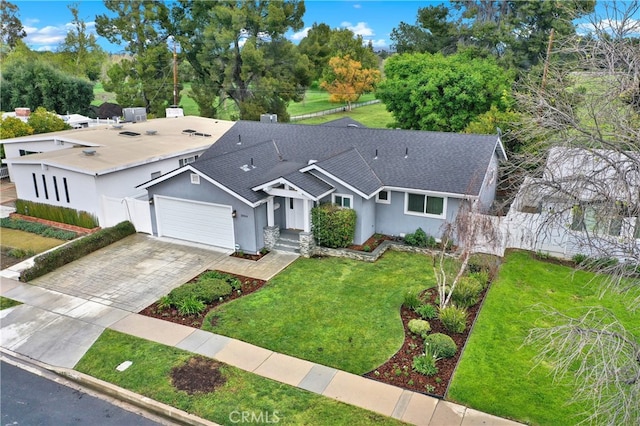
249,256
249,285
371,243
398,369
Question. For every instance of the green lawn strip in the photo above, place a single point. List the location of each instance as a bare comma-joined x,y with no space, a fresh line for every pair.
333,311
149,375
101,96
318,100
8,303
498,375
374,116
17,239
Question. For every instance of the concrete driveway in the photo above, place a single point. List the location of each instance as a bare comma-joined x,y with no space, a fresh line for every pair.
132,273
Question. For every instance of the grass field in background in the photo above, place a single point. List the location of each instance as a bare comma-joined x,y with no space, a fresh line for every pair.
318,100
374,116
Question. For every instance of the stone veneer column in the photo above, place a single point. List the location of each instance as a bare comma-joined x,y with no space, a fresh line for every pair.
307,244
271,236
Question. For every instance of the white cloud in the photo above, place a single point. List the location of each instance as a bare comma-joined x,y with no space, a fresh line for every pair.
357,6
631,27
45,36
300,34
361,28
381,43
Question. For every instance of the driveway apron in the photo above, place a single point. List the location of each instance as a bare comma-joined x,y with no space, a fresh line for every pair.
132,273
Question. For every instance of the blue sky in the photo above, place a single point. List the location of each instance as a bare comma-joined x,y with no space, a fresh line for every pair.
47,22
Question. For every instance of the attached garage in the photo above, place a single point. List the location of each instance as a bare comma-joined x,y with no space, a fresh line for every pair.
195,221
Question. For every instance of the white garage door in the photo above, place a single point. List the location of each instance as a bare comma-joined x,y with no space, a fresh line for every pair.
195,221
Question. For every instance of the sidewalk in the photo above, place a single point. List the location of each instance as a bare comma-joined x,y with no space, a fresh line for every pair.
58,329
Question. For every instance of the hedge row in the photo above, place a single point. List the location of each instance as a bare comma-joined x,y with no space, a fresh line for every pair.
56,214
36,228
333,226
50,261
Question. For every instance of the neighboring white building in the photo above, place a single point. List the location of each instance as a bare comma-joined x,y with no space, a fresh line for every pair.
97,169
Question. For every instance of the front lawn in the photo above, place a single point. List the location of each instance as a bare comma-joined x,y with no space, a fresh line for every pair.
150,375
496,373
6,303
336,312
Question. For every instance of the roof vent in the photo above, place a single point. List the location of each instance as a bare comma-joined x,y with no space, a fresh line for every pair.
188,132
151,132
129,134
117,126
352,125
89,152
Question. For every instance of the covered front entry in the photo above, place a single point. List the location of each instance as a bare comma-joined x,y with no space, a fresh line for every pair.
294,214
195,221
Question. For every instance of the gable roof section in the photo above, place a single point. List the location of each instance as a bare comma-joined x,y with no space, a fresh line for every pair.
439,162
350,169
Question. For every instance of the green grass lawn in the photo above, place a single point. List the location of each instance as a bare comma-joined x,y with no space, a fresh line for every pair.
15,238
318,100
8,303
496,373
101,96
336,312
374,116
149,375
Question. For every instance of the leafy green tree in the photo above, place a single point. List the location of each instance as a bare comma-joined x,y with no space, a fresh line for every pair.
432,33
316,46
11,127
434,92
43,121
146,78
11,29
82,49
238,51
35,83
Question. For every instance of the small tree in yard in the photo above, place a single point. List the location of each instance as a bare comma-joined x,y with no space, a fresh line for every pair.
347,80
467,231
333,226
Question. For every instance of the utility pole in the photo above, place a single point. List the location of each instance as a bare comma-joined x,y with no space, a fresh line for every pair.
175,74
546,61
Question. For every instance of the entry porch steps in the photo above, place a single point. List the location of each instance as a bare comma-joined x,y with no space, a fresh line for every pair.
289,241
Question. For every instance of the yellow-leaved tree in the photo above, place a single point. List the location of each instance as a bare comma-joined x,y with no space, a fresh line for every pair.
346,80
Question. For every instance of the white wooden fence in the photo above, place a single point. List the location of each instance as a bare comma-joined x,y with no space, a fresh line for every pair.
137,211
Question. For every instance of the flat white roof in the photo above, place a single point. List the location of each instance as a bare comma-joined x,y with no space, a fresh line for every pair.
106,149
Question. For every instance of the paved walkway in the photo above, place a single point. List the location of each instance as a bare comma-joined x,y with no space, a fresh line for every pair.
56,327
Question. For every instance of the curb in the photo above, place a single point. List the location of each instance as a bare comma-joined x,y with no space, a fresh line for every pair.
163,410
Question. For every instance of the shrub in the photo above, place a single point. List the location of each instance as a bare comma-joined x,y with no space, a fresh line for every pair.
235,283
419,327
36,228
482,277
19,253
366,248
411,299
425,364
164,303
333,226
427,311
53,259
441,344
420,239
453,318
466,293
190,306
57,214
579,258
205,290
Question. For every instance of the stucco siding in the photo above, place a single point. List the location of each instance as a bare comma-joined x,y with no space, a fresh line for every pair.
488,191
245,222
80,188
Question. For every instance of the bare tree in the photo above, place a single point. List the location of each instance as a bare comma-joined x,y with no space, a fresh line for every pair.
581,173
471,232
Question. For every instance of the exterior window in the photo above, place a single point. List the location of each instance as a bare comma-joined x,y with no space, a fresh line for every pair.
188,160
66,188
55,188
383,197
44,184
25,152
342,200
195,178
425,204
597,219
35,184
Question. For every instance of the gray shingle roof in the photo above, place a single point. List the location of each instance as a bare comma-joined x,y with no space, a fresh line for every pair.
367,158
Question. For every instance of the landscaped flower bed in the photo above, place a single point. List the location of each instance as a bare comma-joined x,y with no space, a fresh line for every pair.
157,310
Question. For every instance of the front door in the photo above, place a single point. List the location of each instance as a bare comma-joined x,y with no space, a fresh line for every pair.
295,213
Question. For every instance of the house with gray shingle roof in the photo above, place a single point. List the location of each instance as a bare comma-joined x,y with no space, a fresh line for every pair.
260,180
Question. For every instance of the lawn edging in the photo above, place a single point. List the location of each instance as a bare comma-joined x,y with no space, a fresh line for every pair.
375,254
